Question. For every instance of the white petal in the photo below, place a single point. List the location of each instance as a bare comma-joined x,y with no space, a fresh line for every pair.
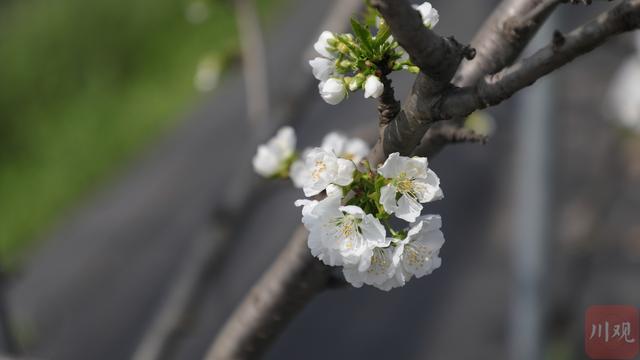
428,189
393,166
333,190
322,45
416,167
374,232
308,218
266,162
373,87
333,91
357,149
388,198
285,140
429,222
322,68
344,175
353,210
299,174
429,14
335,142
408,209
353,276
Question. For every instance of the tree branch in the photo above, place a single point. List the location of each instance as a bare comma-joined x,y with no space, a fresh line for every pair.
281,293
444,134
438,59
493,89
496,46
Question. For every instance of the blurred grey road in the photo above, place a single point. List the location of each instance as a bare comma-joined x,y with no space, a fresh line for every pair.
91,290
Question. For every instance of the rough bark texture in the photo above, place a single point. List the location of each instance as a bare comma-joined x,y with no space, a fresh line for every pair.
438,58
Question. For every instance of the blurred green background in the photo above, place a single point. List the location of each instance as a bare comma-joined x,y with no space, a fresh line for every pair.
85,84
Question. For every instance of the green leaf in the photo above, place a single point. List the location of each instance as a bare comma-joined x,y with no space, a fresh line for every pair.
370,14
362,34
382,35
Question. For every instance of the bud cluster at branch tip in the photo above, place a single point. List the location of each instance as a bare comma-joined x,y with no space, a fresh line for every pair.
350,62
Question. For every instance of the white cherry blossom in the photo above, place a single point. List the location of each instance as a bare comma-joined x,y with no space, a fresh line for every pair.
373,87
333,91
323,47
418,254
321,168
272,156
380,272
413,180
429,14
341,235
354,149
322,68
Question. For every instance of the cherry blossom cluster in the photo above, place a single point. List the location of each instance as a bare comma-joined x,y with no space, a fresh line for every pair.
350,62
351,207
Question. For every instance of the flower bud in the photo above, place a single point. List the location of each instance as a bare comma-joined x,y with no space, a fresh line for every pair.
356,82
373,87
333,91
429,14
323,46
322,68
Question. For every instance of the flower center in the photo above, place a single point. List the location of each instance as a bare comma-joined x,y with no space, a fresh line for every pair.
348,156
404,184
319,169
348,226
379,263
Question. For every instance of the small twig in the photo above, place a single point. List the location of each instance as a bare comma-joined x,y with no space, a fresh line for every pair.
446,134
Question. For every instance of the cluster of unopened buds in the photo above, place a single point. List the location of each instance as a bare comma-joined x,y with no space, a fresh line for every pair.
352,208
350,62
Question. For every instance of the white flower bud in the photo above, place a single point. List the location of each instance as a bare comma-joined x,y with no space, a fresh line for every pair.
323,47
272,156
373,87
333,91
430,16
322,68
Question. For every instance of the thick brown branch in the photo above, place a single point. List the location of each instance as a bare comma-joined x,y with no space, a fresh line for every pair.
496,44
563,49
532,19
438,59
388,106
280,294
427,50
